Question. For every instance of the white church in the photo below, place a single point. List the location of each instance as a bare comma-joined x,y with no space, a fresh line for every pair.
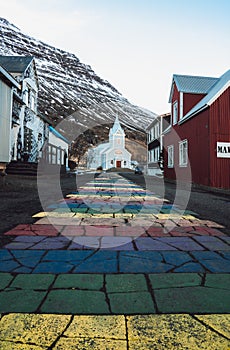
111,154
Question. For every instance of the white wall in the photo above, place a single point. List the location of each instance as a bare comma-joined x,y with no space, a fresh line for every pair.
5,122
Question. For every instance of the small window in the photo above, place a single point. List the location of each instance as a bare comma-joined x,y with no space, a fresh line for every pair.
175,112
170,156
183,153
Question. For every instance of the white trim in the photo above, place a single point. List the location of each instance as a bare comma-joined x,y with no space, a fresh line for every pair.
181,104
183,158
175,103
225,87
170,150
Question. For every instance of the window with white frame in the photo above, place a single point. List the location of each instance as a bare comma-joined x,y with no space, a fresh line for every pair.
183,153
175,112
170,156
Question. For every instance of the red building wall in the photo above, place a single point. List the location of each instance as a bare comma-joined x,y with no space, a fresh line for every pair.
196,131
190,100
220,132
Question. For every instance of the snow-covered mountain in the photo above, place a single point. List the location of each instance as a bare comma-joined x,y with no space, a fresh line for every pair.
69,88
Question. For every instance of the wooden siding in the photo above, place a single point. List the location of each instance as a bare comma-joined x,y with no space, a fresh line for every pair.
190,100
196,132
220,132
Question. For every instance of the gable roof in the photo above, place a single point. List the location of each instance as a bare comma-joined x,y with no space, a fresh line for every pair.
16,64
7,77
116,127
192,84
217,89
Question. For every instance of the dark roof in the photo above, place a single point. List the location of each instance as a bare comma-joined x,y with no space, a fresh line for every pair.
7,77
15,64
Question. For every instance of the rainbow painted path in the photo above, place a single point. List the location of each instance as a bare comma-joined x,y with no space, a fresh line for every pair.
115,250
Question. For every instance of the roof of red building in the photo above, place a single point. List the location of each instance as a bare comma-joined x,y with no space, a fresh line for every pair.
192,84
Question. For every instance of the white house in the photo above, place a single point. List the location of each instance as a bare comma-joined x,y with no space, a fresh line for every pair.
55,150
7,87
111,154
25,135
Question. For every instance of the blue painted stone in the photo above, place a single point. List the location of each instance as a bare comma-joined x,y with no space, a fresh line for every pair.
67,255
217,266
138,265
23,269
155,256
30,262
53,267
205,255
27,253
190,267
176,258
226,254
103,255
8,265
5,255
104,266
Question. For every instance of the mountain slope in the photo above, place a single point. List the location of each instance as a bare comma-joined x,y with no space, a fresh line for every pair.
71,89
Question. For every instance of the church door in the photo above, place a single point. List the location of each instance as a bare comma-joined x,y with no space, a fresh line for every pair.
118,165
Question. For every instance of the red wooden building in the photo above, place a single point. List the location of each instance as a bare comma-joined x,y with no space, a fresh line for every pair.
197,143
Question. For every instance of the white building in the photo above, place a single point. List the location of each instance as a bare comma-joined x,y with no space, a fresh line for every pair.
7,87
55,150
155,144
111,154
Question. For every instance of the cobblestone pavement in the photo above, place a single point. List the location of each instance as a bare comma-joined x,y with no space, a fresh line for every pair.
113,266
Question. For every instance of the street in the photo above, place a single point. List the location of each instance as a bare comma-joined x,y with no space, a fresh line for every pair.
113,265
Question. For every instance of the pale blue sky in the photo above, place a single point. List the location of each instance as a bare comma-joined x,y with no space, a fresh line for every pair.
137,45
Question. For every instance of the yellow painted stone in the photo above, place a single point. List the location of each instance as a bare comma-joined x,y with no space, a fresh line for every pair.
59,221
82,215
43,214
168,216
90,344
123,215
5,345
100,215
109,327
189,217
41,330
172,332
221,323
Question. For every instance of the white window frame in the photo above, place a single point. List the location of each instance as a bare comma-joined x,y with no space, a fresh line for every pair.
181,105
170,156
175,112
183,153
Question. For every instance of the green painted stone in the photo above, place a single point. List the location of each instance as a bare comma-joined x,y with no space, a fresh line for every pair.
5,279
219,280
20,300
79,281
125,283
193,300
38,281
174,280
75,302
131,303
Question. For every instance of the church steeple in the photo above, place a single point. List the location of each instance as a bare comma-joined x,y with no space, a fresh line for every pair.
117,135
116,127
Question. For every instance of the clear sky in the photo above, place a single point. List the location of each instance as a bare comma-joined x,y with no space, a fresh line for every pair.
137,45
